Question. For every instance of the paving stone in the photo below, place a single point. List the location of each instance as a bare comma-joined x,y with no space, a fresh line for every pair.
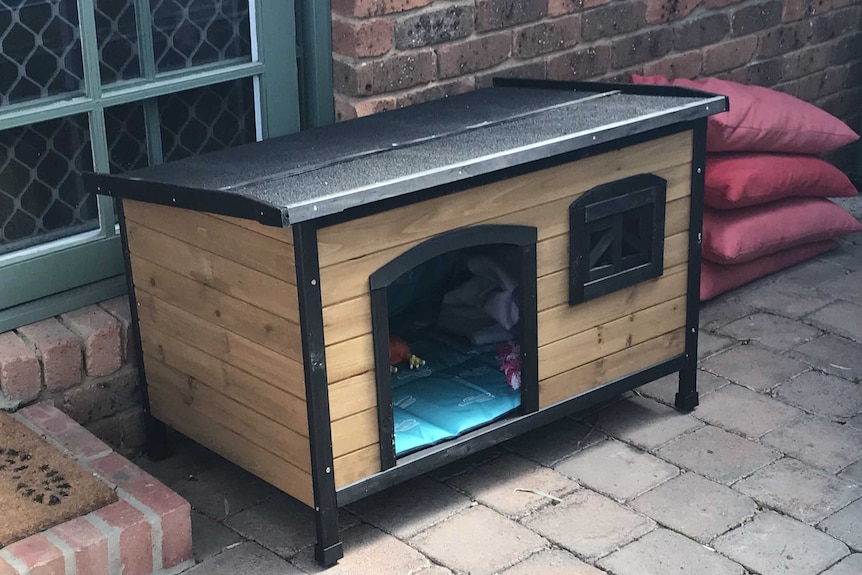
590,525
856,420
776,545
555,441
846,286
494,484
617,469
823,394
210,537
410,507
717,454
709,344
853,473
664,389
833,354
224,490
662,552
248,559
846,525
552,562
771,331
435,570
696,506
813,273
824,444
645,422
738,409
478,541
465,464
798,490
367,551
187,460
281,524
843,318
786,298
753,366
850,565
721,311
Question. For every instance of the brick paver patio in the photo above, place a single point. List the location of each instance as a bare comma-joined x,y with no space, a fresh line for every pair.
764,477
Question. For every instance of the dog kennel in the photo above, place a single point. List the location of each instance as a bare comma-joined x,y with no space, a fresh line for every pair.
345,308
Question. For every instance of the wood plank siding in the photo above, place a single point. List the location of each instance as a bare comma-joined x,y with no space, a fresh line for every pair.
218,311
580,347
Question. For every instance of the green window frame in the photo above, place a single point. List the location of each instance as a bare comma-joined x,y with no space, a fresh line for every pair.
55,277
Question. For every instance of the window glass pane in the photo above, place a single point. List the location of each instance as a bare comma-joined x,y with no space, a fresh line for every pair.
42,197
207,119
189,33
127,137
117,35
40,50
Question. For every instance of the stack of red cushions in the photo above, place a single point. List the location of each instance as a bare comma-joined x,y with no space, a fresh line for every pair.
766,188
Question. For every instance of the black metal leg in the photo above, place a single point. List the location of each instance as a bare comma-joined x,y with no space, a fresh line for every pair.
687,397
328,549
158,446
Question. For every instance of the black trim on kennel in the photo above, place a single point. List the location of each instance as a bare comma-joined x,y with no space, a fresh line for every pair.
520,240
616,236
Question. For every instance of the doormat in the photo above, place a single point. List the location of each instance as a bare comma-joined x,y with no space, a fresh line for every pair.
39,485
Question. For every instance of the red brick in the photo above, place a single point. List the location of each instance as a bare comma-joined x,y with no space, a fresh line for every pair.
847,48
394,72
119,308
641,47
39,554
685,65
533,70
362,38
560,7
177,536
136,543
765,73
783,39
371,106
104,396
756,17
20,374
474,54
6,569
719,3
497,14
547,36
357,8
393,6
60,351
728,55
804,62
659,11
436,91
613,20
101,333
344,110
697,32
797,9
580,64
836,23
434,27
90,545
62,429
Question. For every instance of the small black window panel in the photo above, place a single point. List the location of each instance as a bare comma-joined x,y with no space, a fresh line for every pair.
616,236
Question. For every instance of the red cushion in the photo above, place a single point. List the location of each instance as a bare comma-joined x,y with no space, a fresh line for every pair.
744,234
716,279
763,120
736,180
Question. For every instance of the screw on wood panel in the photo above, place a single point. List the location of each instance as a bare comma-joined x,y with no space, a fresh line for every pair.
328,469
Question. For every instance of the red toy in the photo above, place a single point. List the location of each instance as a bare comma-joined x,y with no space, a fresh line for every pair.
399,351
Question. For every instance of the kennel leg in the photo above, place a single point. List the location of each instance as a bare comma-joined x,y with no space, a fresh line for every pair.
687,397
328,549
158,446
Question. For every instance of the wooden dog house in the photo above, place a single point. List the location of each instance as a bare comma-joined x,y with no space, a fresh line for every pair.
266,280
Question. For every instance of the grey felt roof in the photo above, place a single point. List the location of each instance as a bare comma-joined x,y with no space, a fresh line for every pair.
327,170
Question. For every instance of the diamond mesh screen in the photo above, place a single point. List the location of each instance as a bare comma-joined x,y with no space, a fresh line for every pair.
40,50
42,196
207,119
189,33
117,36
127,137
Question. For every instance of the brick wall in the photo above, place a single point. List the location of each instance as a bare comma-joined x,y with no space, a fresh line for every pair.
393,53
81,362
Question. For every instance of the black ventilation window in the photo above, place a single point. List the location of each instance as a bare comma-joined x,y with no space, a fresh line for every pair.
616,236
